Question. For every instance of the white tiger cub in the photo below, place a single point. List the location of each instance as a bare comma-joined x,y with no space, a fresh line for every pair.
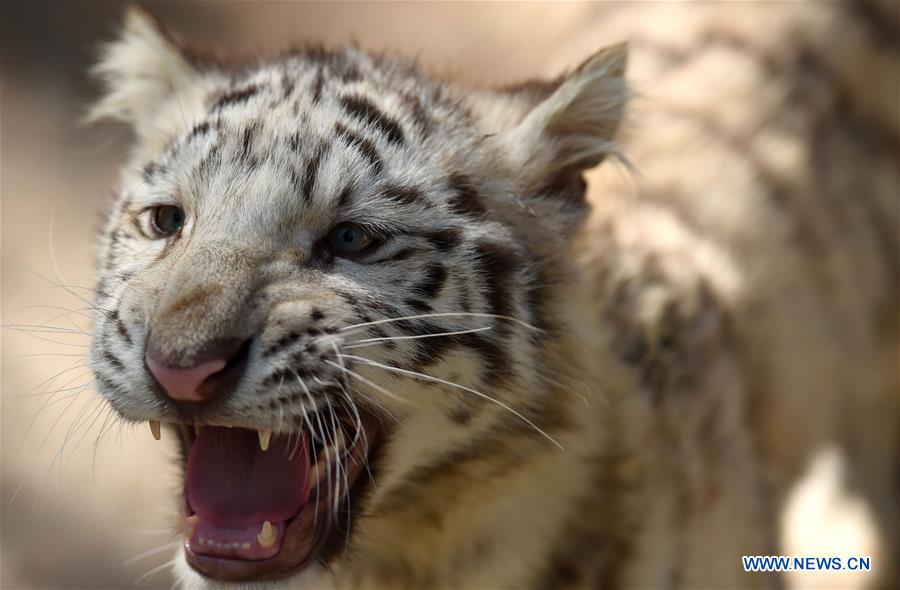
367,305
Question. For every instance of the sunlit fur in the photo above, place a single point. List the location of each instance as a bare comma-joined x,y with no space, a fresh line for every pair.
595,420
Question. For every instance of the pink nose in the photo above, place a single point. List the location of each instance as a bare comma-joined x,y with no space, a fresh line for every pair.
184,384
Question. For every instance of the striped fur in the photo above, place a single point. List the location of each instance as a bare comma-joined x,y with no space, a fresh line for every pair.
640,372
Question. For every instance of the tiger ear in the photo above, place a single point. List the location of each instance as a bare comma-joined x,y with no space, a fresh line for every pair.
141,72
571,128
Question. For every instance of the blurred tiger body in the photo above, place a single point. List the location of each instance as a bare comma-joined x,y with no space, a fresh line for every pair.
756,260
617,395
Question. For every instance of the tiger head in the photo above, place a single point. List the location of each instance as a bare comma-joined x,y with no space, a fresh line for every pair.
325,273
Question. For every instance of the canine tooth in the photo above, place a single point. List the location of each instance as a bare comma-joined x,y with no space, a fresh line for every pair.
154,429
265,436
267,535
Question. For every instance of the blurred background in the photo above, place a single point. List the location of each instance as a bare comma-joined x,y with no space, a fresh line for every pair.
85,502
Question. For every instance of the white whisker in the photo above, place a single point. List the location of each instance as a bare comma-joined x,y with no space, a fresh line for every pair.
458,386
311,401
444,314
367,341
375,386
565,388
312,433
44,329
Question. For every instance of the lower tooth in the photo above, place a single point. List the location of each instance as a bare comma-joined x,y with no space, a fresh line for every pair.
246,545
267,535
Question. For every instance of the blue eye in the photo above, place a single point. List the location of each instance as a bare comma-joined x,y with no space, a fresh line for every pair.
349,238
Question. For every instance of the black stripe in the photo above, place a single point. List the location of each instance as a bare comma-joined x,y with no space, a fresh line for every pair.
403,194
429,351
494,357
318,84
445,239
338,64
431,285
235,97
293,142
110,384
419,306
536,295
120,327
497,265
280,376
113,244
199,129
113,360
296,181
287,85
460,415
418,112
312,170
150,170
211,161
365,147
344,198
282,343
247,142
465,199
361,108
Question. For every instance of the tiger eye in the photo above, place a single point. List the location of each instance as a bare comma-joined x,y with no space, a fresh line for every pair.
168,219
349,238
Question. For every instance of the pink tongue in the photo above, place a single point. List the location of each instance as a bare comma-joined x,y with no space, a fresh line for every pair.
233,484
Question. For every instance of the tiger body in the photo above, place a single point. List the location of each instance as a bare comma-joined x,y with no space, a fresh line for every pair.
604,388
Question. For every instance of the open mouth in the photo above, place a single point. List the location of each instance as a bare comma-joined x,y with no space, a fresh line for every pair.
259,505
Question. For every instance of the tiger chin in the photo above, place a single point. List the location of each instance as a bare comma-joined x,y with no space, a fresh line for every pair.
362,303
